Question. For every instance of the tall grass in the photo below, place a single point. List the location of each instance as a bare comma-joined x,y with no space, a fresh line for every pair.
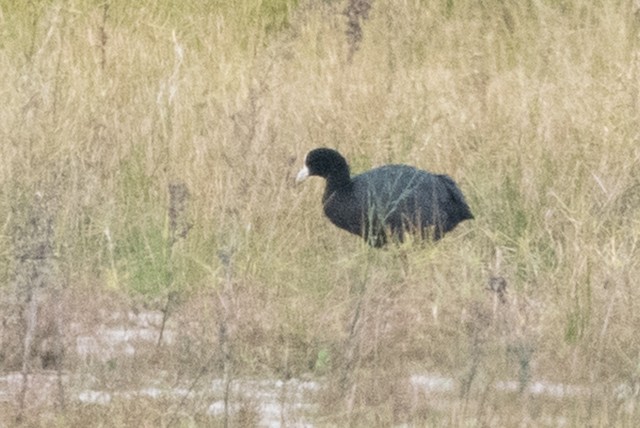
531,106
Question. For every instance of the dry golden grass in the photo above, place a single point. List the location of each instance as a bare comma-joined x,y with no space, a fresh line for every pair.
532,107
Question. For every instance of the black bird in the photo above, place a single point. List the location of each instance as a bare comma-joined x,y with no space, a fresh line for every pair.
388,201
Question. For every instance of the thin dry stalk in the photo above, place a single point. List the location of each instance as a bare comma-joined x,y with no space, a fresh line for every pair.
58,348
356,12
58,89
31,319
103,35
224,352
348,384
172,297
179,227
34,277
225,298
34,32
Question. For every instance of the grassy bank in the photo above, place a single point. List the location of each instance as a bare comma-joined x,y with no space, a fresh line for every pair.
148,154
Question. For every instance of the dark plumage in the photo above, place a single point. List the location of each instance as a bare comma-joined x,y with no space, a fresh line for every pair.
386,201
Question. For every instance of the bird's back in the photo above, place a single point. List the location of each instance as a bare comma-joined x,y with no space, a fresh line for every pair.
401,198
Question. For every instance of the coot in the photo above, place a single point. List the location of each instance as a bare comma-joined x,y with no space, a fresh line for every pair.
386,202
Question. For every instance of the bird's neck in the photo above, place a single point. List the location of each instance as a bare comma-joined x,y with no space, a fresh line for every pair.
337,182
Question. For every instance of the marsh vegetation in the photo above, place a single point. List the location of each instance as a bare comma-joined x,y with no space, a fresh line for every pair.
148,154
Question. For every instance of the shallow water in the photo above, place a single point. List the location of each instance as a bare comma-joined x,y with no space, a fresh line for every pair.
274,402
